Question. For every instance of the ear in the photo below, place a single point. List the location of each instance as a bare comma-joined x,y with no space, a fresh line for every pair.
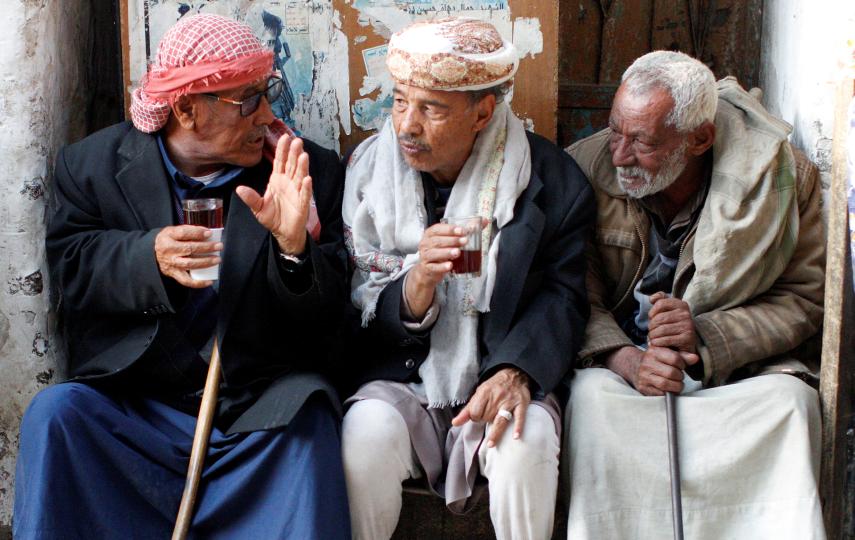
185,109
701,139
484,110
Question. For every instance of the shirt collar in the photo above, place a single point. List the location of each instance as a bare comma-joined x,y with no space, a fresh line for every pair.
186,181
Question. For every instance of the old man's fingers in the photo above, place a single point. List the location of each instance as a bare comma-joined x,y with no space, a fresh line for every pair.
439,246
660,371
179,249
500,400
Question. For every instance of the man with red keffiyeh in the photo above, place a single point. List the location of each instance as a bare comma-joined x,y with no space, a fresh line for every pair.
104,455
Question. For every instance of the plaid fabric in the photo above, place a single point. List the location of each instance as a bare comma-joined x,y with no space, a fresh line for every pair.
202,53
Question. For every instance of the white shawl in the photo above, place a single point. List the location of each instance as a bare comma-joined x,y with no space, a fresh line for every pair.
385,218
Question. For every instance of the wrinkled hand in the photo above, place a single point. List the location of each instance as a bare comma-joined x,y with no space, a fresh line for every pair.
671,324
440,244
652,372
174,250
284,208
506,389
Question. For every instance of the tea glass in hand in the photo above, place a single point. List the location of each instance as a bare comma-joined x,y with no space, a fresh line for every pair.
206,213
468,264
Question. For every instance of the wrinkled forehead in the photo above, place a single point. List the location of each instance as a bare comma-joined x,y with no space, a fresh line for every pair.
429,95
646,110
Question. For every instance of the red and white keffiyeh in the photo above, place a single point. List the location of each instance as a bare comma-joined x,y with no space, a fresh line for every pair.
202,53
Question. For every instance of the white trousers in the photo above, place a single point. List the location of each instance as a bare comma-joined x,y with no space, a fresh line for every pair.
378,456
749,460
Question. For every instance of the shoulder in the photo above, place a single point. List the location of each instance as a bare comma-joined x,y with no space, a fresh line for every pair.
593,156
807,173
324,156
98,150
104,140
561,176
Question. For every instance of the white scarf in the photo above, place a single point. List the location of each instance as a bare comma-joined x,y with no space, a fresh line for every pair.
385,218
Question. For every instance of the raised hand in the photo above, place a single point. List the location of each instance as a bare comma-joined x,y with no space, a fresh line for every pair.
177,251
284,208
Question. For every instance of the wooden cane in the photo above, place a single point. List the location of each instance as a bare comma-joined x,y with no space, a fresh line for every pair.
673,458
200,446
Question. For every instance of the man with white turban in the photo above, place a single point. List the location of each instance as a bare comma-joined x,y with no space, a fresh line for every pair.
105,455
460,374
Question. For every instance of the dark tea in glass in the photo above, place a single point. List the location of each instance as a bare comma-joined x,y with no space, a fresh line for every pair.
205,212
468,264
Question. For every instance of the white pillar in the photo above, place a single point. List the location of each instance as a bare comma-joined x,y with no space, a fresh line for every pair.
43,56
801,46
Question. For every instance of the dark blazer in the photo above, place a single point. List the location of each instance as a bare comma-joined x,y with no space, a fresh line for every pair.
539,306
112,197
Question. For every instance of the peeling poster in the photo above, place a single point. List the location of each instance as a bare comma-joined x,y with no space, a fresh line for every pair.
389,16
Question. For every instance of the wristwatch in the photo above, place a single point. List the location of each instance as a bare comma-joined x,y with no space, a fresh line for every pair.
292,263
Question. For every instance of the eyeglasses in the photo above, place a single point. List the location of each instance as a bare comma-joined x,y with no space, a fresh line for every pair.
251,104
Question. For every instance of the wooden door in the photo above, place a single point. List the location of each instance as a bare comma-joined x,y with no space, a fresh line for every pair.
599,39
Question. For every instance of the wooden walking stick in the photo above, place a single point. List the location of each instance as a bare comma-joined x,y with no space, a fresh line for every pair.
673,458
200,446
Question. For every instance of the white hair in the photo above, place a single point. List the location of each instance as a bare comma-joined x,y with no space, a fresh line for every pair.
690,83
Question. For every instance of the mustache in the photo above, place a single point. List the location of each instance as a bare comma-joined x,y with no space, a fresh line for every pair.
633,171
412,141
262,132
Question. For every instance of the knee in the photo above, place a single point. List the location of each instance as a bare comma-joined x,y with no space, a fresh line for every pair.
792,396
57,409
373,434
588,385
54,416
536,450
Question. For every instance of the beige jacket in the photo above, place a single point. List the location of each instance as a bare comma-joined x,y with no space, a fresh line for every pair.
751,270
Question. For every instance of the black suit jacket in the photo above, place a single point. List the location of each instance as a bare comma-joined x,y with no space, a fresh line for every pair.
112,197
539,306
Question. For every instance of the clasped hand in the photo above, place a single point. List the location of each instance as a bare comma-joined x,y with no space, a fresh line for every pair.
672,347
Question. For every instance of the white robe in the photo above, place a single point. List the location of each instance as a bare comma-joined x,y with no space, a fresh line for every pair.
749,460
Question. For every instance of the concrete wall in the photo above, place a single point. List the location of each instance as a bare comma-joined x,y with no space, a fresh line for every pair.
42,106
802,42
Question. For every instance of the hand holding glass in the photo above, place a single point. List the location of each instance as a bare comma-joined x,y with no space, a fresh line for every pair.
468,264
205,213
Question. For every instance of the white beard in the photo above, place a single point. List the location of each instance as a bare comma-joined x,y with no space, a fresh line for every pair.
671,168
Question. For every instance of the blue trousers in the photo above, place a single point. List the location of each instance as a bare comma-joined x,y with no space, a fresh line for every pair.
94,466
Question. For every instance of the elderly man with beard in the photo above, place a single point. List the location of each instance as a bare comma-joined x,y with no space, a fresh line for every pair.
105,454
460,372
705,272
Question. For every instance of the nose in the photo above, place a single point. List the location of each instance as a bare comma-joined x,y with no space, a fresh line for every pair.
410,123
264,115
622,155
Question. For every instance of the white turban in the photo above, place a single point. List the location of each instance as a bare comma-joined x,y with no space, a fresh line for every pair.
451,54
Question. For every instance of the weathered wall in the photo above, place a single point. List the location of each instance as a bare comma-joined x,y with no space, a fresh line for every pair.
42,106
802,42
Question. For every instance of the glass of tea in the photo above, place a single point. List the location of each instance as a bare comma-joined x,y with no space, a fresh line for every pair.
468,264
205,213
